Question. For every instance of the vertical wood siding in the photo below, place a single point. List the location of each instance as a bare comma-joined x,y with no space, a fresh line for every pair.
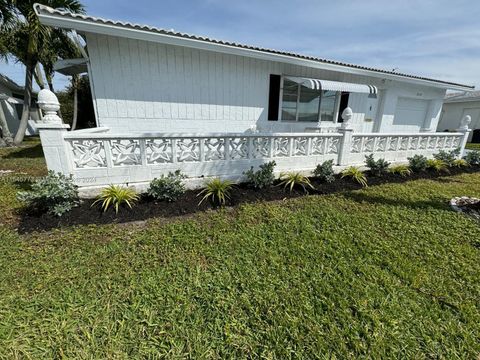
145,86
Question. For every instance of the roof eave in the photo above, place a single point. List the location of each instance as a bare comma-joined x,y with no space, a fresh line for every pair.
455,101
89,26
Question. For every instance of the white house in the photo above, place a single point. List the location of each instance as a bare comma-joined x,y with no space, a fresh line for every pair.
166,100
455,107
150,79
11,105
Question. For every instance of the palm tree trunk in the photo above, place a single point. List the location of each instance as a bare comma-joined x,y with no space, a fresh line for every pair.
75,101
6,134
38,76
27,98
50,84
51,88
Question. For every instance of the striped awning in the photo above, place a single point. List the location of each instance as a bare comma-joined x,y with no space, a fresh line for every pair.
318,84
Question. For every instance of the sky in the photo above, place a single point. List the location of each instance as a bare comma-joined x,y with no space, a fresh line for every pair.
433,38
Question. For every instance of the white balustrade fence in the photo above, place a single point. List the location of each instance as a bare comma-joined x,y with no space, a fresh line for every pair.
97,157
111,158
398,147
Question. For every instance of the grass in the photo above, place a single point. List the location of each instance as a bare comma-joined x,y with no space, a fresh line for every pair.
387,271
472,146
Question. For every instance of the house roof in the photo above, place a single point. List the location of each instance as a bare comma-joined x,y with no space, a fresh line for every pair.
87,23
10,84
462,96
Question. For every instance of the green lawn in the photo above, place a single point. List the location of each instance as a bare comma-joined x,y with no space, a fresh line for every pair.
472,146
384,272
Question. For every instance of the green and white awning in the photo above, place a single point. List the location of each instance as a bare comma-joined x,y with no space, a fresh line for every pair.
317,84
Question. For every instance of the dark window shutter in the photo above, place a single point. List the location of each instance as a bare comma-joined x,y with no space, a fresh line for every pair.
343,105
274,97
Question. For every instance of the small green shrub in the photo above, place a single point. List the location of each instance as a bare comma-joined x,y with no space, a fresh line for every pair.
217,190
54,193
402,170
168,188
460,163
295,179
473,157
417,163
324,172
261,178
448,157
437,165
376,167
115,196
355,174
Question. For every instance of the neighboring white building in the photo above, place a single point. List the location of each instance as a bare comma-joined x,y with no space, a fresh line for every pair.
149,79
455,107
11,104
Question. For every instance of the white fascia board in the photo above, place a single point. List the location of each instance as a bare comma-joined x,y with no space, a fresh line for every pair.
461,101
112,30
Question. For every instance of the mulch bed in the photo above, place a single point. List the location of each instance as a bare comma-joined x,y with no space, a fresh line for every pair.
188,203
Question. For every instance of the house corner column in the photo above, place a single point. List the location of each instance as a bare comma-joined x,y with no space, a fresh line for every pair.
431,119
52,131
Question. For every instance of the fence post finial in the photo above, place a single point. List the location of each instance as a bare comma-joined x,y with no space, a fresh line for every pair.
347,115
48,102
51,130
467,119
346,142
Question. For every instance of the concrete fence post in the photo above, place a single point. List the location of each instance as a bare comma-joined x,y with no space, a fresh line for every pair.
346,142
52,130
466,133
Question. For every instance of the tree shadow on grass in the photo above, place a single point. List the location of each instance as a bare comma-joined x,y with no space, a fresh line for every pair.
361,197
27,152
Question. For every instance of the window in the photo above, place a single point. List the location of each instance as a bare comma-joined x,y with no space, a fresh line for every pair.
327,106
300,103
289,100
308,103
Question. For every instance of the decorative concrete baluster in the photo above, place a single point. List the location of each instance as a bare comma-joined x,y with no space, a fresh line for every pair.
51,130
143,152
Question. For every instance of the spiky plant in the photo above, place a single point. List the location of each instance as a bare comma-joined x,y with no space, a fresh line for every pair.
460,163
356,175
295,179
437,165
217,190
115,196
402,170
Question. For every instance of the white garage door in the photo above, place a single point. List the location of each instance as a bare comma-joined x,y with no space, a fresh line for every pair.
410,114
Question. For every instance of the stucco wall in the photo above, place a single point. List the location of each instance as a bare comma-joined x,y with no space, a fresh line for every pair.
452,114
144,86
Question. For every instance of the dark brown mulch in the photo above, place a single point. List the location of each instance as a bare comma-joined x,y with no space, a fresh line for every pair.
188,203
474,207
